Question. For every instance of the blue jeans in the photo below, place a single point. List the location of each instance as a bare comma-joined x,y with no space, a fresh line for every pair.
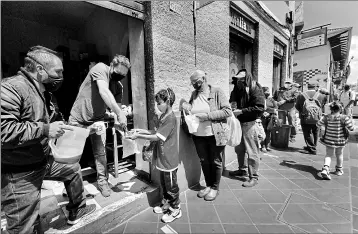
100,156
249,150
99,152
20,194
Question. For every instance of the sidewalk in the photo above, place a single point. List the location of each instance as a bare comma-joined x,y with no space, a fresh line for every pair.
290,198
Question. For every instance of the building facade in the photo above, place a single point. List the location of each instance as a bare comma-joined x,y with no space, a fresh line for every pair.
165,41
324,62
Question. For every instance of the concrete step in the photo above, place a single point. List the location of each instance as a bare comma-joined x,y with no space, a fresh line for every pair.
132,193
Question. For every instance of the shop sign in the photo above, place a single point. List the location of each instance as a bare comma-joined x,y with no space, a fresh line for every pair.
312,39
278,48
242,24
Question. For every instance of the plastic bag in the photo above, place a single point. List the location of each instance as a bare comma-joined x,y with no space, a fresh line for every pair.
129,146
147,152
235,131
192,121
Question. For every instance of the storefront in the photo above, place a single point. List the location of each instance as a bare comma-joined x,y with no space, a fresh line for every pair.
278,57
242,39
84,33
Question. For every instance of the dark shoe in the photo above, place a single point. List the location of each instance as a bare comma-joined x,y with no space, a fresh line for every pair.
202,193
239,173
74,217
251,183
211,195
104,188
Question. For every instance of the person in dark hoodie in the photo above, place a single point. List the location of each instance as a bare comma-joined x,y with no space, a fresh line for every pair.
249,99
29,118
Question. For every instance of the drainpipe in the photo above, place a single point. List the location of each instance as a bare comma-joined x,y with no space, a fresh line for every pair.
194,20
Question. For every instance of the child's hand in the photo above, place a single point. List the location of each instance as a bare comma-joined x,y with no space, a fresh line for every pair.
132,136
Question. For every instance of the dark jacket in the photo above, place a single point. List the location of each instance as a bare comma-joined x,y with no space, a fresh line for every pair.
24,124
289,95
252,103
219,112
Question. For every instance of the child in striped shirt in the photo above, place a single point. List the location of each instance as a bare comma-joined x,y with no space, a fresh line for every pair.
335,137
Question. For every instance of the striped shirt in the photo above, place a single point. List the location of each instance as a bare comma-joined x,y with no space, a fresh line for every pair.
334,132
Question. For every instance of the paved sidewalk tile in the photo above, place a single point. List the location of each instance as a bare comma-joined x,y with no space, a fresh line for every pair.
290,197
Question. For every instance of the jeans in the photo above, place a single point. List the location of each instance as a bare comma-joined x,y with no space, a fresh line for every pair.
20,194
100,156
265,122
249,150
290,117
310,134
99,150
211,159
169,184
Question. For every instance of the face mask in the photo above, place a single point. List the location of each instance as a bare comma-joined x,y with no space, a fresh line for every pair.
241,85
54,82
198,85
53,86
117,77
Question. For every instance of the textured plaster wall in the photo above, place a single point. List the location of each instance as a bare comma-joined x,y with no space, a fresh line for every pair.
174,51
173,55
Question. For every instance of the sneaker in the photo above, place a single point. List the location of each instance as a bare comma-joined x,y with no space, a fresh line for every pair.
264,150
339,171
251,183
74,217
171,215
268,149
293,140
202,193
162,208
325,173
104,188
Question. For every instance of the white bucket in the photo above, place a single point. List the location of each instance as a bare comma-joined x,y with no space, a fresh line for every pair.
69,147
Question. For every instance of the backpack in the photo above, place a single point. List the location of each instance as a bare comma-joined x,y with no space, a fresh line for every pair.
312,110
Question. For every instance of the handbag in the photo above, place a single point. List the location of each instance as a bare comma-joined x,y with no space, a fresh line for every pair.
148,150
183,124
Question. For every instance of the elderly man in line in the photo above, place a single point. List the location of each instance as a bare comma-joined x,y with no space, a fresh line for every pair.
286,98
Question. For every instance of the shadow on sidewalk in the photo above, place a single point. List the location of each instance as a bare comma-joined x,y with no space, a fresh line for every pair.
301,167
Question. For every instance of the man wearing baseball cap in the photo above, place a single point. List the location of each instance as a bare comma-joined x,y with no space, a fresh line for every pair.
309,121
286,97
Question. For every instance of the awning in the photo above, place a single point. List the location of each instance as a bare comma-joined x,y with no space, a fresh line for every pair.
340,41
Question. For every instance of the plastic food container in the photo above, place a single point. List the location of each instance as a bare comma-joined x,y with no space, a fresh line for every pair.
68,148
